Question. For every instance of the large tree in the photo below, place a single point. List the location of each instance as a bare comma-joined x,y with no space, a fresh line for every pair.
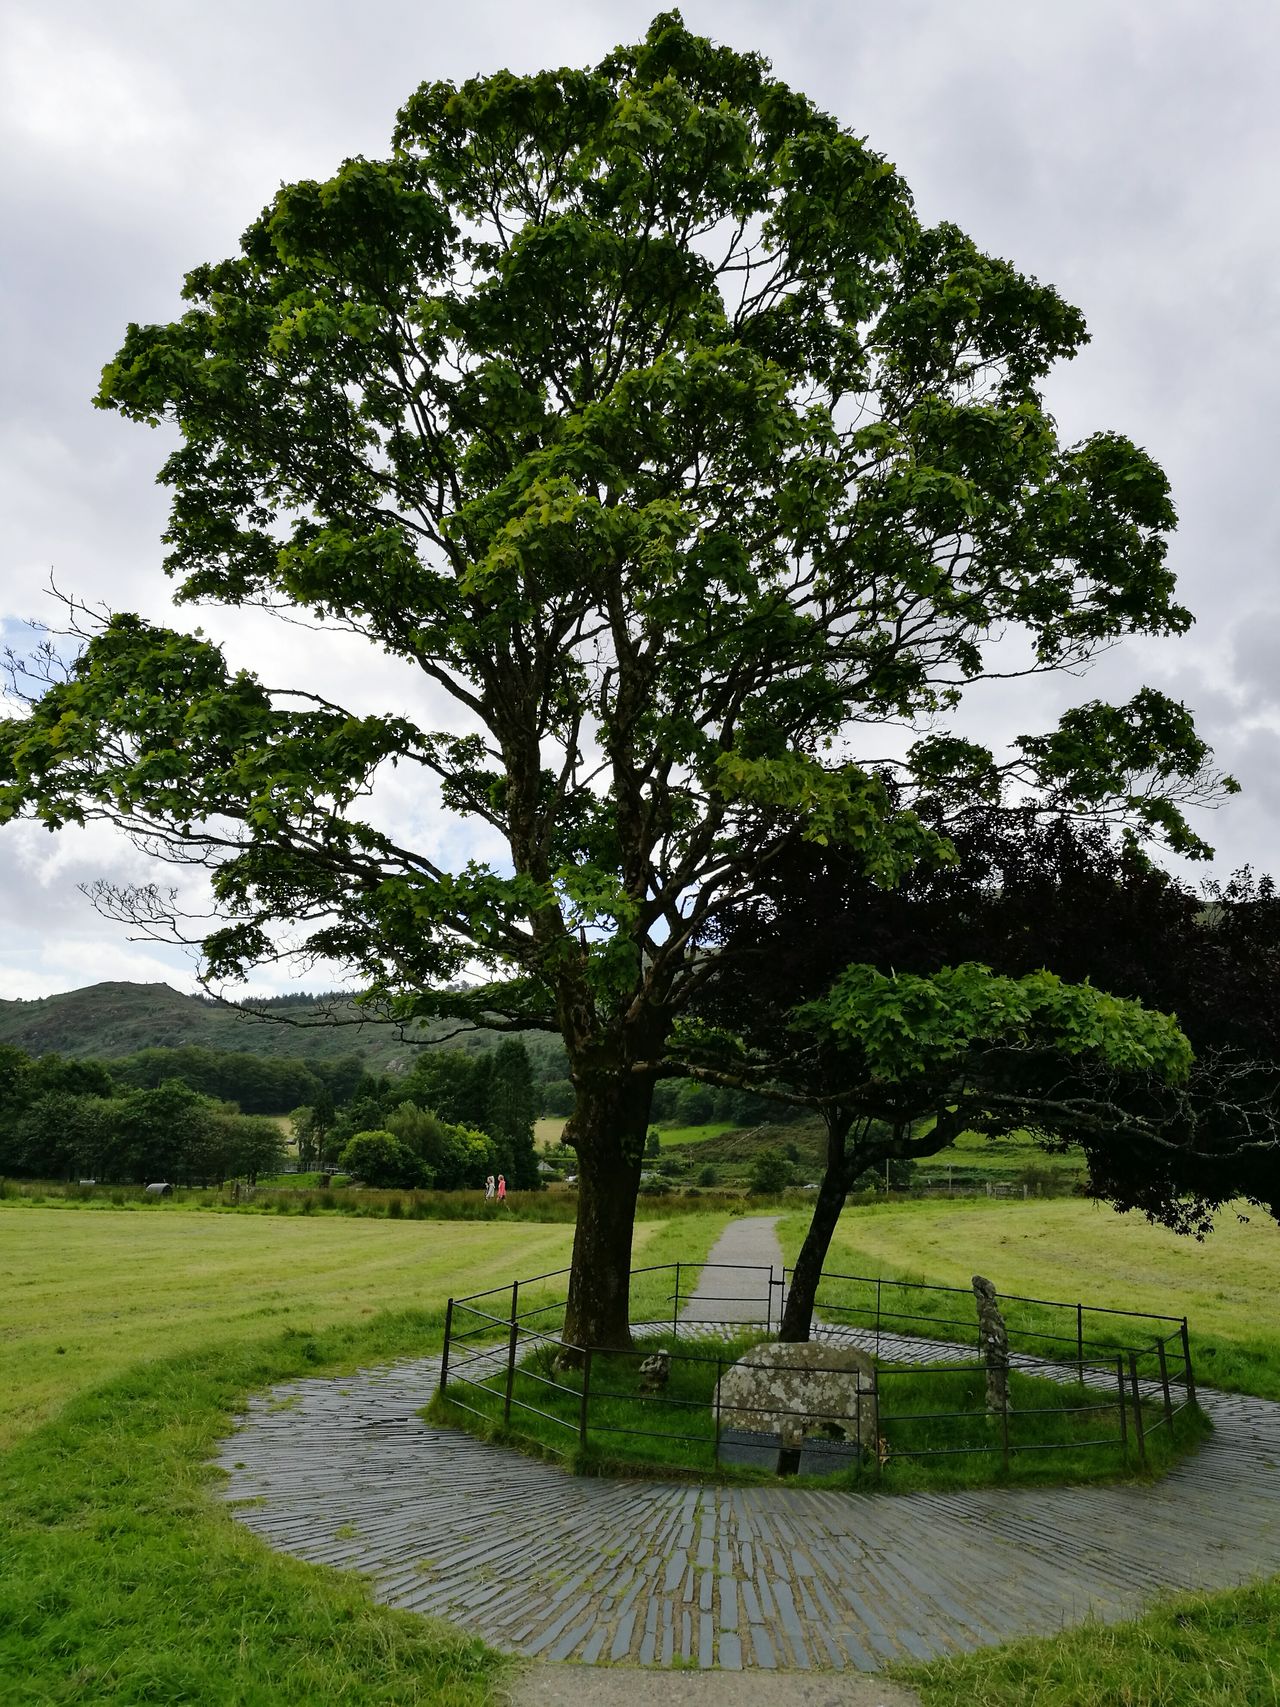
634,408
981,995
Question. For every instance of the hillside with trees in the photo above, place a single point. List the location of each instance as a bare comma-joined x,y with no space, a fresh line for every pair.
62,1119
192,1116
162,1033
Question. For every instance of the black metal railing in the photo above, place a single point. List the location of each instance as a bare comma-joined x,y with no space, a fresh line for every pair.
504,1350
880,1312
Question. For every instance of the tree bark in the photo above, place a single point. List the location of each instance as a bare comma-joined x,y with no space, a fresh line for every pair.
607,1128
842,1168
844,1165
802,1289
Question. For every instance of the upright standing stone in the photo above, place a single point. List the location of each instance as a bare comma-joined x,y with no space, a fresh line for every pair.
994,1340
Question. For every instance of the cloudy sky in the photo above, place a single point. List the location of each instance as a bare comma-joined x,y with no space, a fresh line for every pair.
1125,150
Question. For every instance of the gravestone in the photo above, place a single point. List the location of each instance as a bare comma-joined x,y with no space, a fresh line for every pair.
807,1389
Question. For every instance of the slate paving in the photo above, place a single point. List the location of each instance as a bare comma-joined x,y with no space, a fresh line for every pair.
557,1567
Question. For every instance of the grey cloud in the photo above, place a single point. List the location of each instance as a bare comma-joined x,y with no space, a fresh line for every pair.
1255,657
1125,153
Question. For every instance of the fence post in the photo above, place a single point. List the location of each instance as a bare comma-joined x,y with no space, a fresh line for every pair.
1164,1382
768,1308
877,1315
586,1398
675,1304
1124,1425
444,1360
1137,1409
511,1351
719,1367
1080,1343
1186,1364
1004,1427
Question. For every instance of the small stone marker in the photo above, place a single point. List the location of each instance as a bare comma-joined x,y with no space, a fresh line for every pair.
802,1389
993,1337
655,1372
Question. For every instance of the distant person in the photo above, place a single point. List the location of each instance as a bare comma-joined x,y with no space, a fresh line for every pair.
488,1189
502,1188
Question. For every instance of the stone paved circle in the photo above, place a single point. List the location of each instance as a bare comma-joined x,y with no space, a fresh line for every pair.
541,1563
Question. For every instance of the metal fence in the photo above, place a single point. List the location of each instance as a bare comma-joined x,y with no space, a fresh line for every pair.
505,1359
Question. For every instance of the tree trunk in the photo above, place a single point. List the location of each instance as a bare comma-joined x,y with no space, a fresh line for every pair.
797,1316
802,1289
845,1162
607,1128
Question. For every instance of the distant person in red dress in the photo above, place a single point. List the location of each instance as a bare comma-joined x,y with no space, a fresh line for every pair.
502,1188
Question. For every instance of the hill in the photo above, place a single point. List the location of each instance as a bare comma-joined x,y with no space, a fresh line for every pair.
114,1019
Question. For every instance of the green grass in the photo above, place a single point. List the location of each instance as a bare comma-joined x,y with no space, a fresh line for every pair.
974,1156
130,1340
1069,1248
299,1182
1218,1650
125,1582
556,1205
671,1136
87,1296
934,1423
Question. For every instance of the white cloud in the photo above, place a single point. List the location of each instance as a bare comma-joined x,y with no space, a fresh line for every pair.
75,102
1124,153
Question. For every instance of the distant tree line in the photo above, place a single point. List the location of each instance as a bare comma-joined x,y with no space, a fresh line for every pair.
264,1084
258,1084
455,1118
190,1116
278,1084
62,1119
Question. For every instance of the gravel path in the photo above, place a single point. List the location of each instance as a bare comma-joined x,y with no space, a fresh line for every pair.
750,1579
635,1686
742,1278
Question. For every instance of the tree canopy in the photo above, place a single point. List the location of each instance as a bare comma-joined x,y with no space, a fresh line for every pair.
635,409
868,1006
63,1119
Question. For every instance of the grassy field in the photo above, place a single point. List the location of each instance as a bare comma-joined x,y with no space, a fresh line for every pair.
87,1296
672,1137
129,1341
546,1132
1069,1248
1000,1158
1219,1650
124,1581
298,1182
